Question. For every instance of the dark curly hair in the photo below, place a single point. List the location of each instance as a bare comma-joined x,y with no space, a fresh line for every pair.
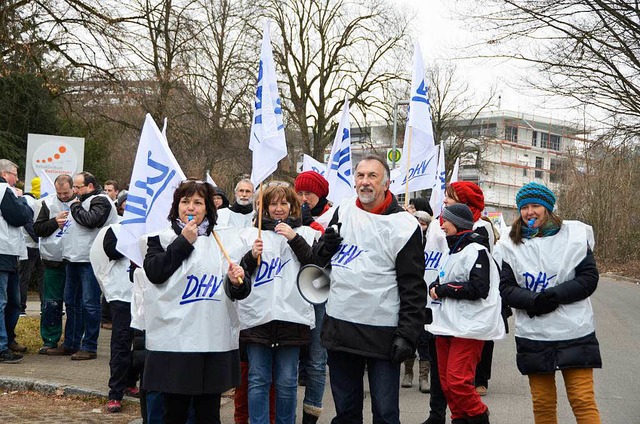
188,188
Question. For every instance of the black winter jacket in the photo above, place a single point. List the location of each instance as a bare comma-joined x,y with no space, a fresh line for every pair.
536,356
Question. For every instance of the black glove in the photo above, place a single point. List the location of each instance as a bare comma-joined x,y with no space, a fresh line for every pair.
401,350
542,304
331,239
307,218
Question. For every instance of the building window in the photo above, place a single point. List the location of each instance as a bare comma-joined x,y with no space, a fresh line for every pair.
550,141
511,134
555,170
534,140
539,165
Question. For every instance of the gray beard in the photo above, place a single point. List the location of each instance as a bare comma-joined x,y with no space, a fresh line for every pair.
243,202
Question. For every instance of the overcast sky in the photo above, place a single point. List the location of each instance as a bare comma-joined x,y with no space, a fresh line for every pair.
441,37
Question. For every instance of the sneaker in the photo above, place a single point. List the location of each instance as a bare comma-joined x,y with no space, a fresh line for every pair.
114,406
481,390
23,314
8,357
16,347
84,355
132,391
61,351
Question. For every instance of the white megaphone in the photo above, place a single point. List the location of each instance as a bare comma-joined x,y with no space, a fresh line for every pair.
313,284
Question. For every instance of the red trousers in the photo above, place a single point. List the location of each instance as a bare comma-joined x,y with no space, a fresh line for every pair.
457,362
241,400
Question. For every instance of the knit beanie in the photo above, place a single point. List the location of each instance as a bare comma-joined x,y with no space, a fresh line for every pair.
313,182
459,215
471,195
535,193
35,187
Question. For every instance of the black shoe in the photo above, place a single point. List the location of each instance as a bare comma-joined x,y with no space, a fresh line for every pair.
8,357
432,420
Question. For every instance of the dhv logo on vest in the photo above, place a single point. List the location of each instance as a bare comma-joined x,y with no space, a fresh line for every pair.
537,284
432,259
267,272
204,288
345,254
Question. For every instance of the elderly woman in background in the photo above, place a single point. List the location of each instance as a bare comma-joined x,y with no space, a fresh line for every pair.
191,318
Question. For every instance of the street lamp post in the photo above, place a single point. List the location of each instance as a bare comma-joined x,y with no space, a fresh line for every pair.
395,129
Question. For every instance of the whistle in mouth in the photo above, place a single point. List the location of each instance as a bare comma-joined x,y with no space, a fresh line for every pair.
531,222
189,217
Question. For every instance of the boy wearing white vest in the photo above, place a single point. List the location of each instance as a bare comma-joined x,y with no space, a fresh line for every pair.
91,211
466,312
376,305
14,213
548,275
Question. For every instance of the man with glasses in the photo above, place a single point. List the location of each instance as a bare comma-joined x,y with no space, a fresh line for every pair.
240,214
14,213
91,211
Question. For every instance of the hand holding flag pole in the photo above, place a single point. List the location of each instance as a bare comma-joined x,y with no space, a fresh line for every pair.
224,252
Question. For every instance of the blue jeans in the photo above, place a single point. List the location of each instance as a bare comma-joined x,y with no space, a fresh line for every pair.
281,364
346,373
316,363
82,300
9,307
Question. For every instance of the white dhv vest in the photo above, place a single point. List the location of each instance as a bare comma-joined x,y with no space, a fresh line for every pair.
471,319
79,238
228,218
51,246
113,276
190,312
11,238
363,287
545,262
274,294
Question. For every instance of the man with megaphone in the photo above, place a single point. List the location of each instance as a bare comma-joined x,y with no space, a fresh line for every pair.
377,297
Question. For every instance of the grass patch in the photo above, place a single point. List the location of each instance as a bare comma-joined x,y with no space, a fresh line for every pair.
28,333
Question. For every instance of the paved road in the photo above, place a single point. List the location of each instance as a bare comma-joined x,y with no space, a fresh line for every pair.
617,308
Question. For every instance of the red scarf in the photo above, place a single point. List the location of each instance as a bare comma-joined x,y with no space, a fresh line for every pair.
380,208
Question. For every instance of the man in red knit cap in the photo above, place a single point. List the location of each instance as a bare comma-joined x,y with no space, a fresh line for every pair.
312,189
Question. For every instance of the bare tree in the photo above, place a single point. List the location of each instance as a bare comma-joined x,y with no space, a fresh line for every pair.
329,51
586,50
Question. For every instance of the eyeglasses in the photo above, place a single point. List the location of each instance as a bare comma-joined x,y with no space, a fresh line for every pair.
79,187
191,180
15,174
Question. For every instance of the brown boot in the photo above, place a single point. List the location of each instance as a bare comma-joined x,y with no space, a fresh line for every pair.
423,379
407,380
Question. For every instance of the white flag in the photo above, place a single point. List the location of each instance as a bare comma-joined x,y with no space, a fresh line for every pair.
339,167
454,173
267,129
436,201
210,180
47,188
421,170
310,164
155,176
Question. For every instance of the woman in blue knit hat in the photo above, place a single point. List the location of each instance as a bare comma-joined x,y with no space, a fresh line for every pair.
548,274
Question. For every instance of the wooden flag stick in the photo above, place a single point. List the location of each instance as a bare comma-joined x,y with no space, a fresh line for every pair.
259,218
406,190
224,252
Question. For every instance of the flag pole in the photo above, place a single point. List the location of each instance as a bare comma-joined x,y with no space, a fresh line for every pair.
259,217
224,252
406,190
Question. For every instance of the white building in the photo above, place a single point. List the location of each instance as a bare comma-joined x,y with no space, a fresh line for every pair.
503,151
